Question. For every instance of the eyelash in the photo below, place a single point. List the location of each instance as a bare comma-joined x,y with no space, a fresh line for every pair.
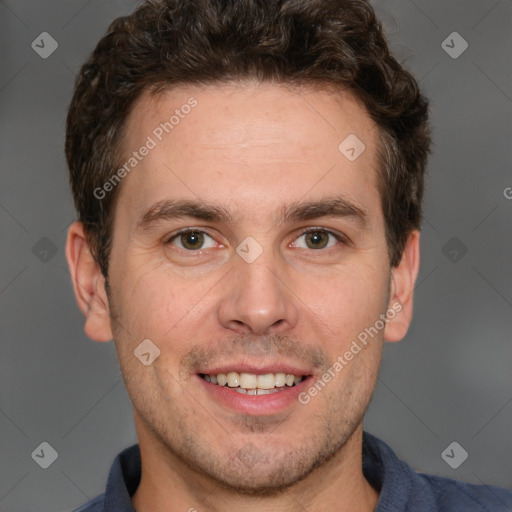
339,238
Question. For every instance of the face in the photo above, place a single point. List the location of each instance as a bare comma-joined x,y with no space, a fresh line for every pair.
247,247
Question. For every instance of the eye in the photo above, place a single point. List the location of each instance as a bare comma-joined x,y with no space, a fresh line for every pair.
317,238
190,240
194,239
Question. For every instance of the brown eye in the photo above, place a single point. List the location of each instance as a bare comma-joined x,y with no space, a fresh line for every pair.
190,240
316,238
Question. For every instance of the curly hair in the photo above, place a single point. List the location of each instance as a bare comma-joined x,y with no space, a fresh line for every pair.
317,43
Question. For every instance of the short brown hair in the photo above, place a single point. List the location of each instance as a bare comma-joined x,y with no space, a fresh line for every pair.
165,43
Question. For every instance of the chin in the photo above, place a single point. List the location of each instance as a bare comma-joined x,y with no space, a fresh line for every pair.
253,473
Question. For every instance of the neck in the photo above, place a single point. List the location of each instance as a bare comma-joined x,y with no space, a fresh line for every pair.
168,484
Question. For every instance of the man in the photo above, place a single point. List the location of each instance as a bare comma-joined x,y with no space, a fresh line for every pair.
248,177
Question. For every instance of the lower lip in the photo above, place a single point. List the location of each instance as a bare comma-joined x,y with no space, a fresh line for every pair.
255,405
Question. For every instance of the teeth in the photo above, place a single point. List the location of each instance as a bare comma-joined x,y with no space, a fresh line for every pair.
266,391
248,381
280,380
233,379
256,391
267,381
251,384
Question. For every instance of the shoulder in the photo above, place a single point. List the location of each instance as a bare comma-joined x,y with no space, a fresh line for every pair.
456,496
95,505
406,490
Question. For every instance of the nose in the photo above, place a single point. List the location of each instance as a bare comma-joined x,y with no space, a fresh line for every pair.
258,297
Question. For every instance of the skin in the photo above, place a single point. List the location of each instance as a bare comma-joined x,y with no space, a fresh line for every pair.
250,148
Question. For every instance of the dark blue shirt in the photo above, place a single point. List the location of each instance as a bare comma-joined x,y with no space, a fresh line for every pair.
401,488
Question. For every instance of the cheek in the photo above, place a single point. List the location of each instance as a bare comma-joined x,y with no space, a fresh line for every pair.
350,300
158,304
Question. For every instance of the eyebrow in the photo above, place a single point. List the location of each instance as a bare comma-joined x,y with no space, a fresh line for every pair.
335,207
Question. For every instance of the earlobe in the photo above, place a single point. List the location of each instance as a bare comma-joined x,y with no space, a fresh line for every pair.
88,284
403,280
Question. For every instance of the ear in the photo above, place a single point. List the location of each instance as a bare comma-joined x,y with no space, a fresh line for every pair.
403,279
88,284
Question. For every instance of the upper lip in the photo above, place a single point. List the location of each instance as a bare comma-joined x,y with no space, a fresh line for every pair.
257,369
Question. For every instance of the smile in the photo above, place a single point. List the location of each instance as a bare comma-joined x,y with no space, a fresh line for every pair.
252,384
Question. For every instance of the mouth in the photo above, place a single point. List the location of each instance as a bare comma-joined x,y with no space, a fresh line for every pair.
254,394
254,384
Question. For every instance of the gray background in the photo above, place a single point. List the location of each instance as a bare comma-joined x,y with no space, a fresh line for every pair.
449,380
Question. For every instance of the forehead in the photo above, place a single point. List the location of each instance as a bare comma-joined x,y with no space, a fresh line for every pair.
248,145
241,112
